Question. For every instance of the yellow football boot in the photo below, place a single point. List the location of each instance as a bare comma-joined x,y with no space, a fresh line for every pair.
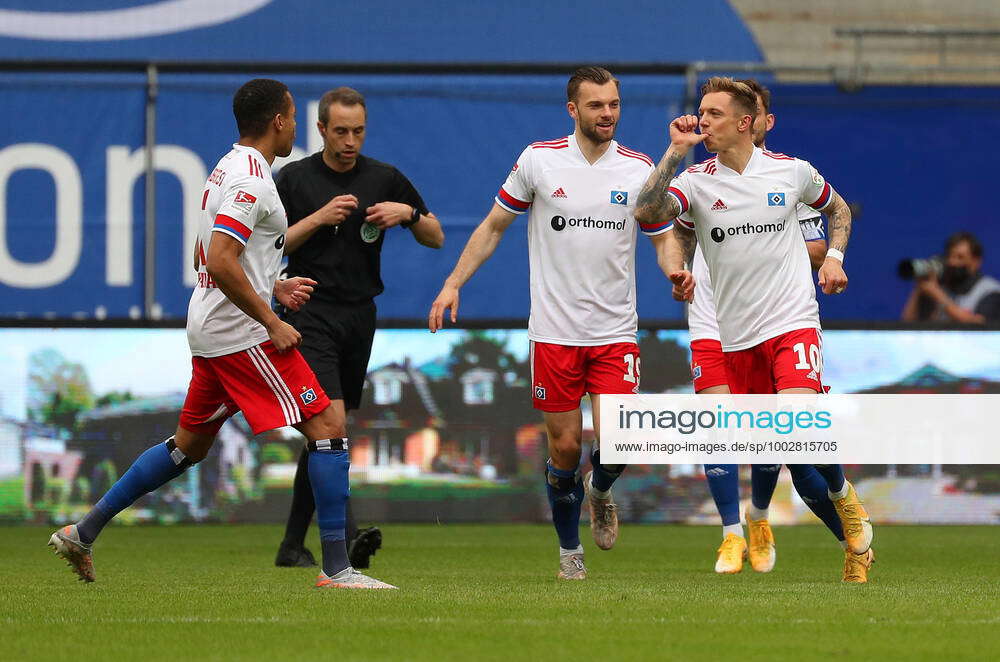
761,552
854,518
856,566
731,554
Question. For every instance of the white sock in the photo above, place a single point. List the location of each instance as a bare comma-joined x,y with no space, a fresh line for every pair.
594,492
841,494
567,552
755,513
732,528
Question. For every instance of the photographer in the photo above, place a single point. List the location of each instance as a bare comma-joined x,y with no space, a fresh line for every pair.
954,290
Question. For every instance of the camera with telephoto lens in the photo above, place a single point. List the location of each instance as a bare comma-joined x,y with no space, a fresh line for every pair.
912,268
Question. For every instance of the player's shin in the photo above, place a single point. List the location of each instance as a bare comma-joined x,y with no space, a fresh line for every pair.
811,486
604,475
834,475
329,465
724,484
155,467
565,492
763,480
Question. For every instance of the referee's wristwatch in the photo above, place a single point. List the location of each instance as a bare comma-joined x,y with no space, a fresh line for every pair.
414,219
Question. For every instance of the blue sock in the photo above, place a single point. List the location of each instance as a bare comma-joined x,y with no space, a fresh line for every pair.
155,467
811,486
565,491
328,473
605,475
763,480
724,484
834,475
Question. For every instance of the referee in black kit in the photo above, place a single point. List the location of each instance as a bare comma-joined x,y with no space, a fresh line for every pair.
339,205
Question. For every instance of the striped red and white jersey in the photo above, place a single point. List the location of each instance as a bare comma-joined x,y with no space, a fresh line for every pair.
581,239
241,201
748,230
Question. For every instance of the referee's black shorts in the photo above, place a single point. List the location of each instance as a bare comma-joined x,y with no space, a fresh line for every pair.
337,343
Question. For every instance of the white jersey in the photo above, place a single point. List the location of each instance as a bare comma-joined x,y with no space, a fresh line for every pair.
748,229
581,239
702,324
241,201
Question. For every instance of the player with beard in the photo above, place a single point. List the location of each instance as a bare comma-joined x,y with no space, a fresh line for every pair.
580,191
765,301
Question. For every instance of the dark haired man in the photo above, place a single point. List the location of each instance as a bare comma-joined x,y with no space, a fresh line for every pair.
960,293
244,356
340,203
581,190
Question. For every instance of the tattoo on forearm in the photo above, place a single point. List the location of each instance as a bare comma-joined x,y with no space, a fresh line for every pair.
840,227
688,240
654,203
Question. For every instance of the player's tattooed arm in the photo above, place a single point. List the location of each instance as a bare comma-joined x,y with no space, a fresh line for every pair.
654,204
832,278
839,215
687,240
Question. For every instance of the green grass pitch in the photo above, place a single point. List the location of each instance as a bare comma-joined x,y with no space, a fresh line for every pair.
489,592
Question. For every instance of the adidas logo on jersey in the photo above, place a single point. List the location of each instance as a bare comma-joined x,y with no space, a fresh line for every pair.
559,193
720,206
716,471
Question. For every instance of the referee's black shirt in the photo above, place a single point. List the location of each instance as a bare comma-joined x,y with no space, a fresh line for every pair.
343,259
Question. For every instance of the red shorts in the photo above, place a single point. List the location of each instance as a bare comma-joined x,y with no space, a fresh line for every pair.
708,364
562,374
274,389
791,360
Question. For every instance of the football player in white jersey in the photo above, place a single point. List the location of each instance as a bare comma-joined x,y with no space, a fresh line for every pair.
580,191
244,357
708,371
741,212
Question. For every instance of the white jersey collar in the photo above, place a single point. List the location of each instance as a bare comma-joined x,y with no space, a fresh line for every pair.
575,146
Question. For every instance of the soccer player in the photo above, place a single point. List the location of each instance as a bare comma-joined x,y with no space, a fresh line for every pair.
341,250
244,357
742,213
709,374
580,191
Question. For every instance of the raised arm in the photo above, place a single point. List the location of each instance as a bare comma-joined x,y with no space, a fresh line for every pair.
426,228
332,213
477,250
654,205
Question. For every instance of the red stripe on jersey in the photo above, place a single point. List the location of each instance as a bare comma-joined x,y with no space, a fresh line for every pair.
643,158
230,223
654,227
551,142
204,200
823,198
681,197
688,224
779,157
250,162
563,146
511,201
635,152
